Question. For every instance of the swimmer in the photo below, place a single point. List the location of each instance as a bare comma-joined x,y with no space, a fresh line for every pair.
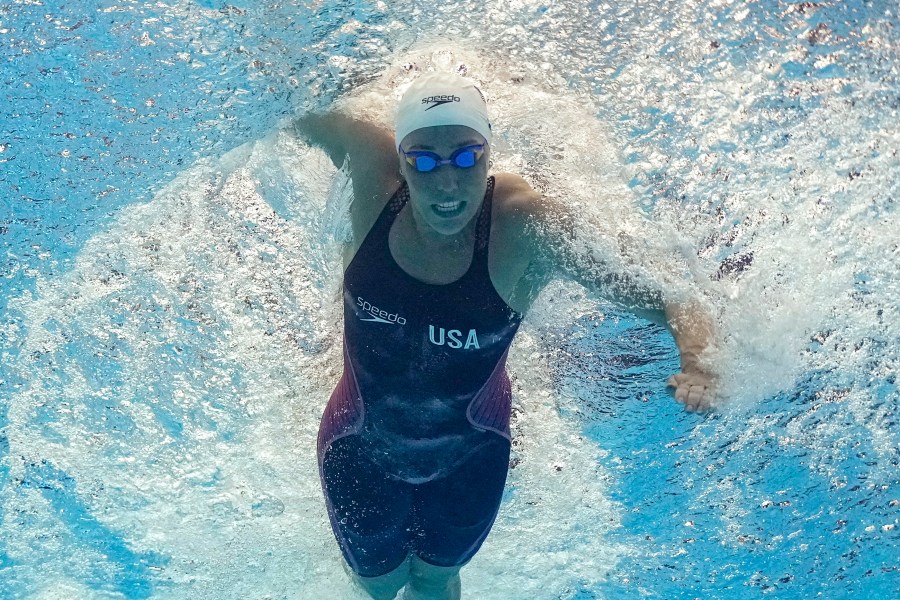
445,262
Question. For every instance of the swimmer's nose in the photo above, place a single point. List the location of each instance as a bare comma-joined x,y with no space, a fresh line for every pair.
446,179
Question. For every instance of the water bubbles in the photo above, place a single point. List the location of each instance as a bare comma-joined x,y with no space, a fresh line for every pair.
266,506
738,143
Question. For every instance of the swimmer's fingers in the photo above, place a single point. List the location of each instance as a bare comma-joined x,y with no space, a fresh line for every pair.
696,392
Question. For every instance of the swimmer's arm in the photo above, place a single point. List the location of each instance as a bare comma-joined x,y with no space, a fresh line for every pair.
689,324
552,239
692,328
374,166
369,146
553,243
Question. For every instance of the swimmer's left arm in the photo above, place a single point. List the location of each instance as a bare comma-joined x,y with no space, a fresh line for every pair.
551,238
692,328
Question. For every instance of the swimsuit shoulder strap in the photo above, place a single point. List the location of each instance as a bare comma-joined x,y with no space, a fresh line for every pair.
483,226
387,215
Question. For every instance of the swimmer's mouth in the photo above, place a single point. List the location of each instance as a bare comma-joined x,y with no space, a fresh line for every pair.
449,209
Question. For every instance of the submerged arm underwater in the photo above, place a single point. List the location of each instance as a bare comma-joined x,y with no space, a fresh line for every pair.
562,245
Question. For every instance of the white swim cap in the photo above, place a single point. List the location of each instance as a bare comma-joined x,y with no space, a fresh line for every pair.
441,99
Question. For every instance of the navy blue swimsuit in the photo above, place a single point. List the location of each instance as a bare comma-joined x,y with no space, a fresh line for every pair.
414,442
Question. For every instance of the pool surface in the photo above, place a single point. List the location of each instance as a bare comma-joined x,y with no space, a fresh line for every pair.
170,315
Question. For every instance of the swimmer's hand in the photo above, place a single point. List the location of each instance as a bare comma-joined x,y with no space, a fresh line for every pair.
695,389
693,329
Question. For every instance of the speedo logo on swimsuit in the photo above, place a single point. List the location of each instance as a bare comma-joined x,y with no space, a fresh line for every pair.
439,100
379,315
452,337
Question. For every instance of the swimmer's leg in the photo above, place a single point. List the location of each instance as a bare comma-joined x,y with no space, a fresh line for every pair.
383,587
370,514
428,582
455,514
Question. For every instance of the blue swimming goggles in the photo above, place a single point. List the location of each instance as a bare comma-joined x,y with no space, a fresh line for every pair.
463,158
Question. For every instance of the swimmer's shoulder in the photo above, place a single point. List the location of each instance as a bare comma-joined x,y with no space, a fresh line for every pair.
515,212
515,246
515,201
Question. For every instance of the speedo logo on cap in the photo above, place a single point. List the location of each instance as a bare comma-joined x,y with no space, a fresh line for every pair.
439,100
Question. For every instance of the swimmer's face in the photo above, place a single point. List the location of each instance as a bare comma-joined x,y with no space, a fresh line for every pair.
447,198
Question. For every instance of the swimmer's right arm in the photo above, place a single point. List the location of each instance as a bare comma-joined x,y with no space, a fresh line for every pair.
374,165
340,136
326,131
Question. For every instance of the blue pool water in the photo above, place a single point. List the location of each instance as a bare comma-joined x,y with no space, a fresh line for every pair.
169,325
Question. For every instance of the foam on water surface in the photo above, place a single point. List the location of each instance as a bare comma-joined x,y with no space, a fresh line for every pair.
164,388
